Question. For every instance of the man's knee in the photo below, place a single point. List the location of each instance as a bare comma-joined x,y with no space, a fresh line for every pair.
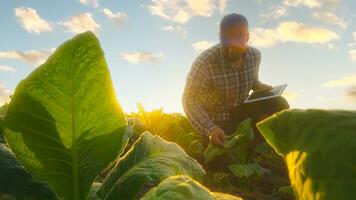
281,103
274,105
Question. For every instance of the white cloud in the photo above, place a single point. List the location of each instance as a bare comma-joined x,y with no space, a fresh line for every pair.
202,45
31,21
290,95
6,68
307,3
222,5
275,12
4,94
119,17
141,56
169,9
81,23
322,98
33,57
353,55
331,18
299,32
177,28
331,46
202,7
181,11
263,37
94,3
350,95
348,80
351,44
328,4
291,31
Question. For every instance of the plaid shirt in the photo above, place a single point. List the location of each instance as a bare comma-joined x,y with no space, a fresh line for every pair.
214,85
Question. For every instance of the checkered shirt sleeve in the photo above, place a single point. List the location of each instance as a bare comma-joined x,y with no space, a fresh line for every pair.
196,84
257,60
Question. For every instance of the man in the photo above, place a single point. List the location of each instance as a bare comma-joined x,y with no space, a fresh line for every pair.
220,80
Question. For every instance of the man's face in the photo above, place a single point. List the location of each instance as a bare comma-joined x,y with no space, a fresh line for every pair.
237,37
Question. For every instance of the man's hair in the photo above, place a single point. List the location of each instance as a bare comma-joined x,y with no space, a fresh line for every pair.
231,20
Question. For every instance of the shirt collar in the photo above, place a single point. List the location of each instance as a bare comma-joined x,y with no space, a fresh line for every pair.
226,62
221,57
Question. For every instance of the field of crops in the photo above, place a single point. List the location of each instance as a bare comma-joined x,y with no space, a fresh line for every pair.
65,136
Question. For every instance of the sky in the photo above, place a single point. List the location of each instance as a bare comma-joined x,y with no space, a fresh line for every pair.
150,45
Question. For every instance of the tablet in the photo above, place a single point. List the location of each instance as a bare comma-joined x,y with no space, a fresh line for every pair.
276,91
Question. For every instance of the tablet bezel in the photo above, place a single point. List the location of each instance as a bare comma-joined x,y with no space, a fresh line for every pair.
248,100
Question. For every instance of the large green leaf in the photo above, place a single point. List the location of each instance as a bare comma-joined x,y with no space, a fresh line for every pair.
150,160
182,188
1,132
319,148
93,192
225,196
191,142
3,110
64,122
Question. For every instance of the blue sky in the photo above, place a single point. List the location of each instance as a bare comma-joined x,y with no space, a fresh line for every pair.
150,45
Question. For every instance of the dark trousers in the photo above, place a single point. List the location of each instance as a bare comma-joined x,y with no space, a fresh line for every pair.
254,110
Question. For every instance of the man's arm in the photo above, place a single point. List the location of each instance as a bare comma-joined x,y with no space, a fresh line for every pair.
258,85
196,83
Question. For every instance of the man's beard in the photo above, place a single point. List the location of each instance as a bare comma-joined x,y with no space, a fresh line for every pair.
233,53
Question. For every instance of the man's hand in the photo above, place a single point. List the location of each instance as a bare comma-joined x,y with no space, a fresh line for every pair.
217,136
262,87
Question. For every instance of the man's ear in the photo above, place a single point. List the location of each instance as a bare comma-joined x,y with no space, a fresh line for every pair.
248,36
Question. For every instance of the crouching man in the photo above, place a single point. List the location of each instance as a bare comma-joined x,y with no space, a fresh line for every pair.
219,81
